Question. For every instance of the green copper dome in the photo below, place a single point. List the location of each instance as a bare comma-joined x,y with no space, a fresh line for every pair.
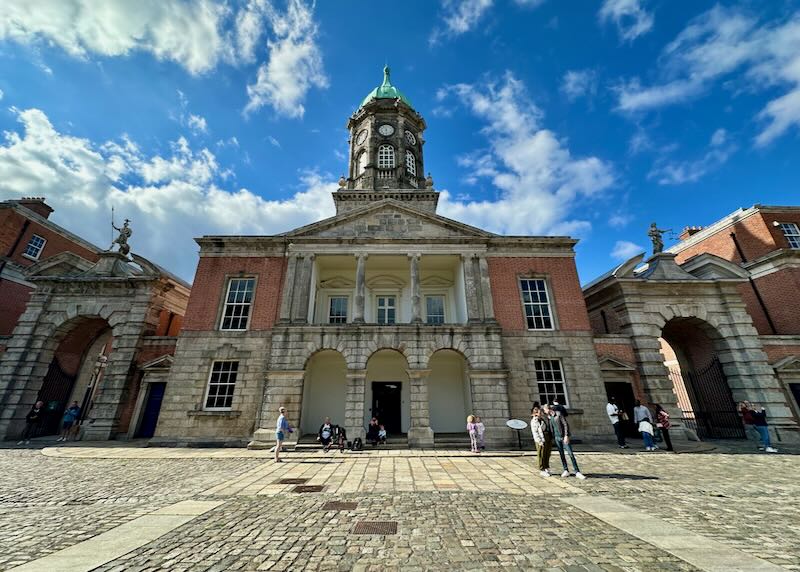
386,91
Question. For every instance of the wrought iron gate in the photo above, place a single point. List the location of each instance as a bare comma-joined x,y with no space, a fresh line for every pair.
706,401
55,391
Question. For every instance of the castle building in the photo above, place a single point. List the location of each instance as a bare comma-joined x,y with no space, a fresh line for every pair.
384,310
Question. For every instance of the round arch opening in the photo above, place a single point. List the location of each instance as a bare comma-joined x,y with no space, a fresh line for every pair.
449,398
324,391
387,391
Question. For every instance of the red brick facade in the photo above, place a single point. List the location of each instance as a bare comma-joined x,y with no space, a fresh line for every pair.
210,286
15,298
562,281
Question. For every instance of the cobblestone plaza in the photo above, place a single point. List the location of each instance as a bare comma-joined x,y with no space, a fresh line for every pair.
123,508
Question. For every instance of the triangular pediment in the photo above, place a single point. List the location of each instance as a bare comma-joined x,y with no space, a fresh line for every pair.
388,218
608,363
436,282
160,363
711,267
787,364
337,282
62,264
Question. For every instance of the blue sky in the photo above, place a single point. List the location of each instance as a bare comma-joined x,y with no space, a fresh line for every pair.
589,118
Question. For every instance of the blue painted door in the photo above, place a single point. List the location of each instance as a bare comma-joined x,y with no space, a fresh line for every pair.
152,407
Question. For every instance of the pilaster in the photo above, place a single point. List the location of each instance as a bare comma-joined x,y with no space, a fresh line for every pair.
420,433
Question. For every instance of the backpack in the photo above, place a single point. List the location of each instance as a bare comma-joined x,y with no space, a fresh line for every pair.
358,444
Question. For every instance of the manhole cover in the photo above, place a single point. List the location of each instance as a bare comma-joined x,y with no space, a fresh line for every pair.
308,489
339,505
375,527
290,481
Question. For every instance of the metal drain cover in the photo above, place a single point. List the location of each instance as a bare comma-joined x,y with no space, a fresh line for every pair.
290,481
379,527
339,505
308,489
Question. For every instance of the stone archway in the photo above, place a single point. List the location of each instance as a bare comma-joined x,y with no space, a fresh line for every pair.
449,396
691,349
324,390
387,394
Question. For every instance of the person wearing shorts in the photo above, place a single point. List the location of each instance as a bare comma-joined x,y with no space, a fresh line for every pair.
282,429
71,415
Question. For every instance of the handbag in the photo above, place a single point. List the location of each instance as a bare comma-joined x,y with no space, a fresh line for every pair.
623,416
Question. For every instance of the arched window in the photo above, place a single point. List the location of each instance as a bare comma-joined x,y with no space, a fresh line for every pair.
385,157
361,164
411,164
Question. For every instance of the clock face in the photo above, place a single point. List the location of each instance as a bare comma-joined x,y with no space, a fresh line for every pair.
410,138
385,129
362,136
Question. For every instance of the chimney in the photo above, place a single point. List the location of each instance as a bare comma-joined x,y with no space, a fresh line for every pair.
689,231
36,204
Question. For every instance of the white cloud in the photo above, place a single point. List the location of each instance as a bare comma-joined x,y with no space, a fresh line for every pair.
630,18
619,220
579,83
669,172
459,17
717,44
294,65
186,32
625,250
537,178
272,141
1,95
197,123
530,3
169,199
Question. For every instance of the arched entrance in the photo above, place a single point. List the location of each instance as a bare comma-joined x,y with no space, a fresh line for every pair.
691,350
324,391
73,373
448,392
387,391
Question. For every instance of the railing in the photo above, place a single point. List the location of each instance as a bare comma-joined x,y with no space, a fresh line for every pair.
413,182
385,174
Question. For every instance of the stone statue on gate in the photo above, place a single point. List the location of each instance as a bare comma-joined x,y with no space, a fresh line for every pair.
122,240
655,235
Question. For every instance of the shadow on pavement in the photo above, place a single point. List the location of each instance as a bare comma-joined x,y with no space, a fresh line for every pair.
622,476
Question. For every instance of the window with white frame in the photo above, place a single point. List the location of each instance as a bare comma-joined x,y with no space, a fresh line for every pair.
337,310
386,157
434,309
35,247
387,309
362,163
237,304
411,164
550,381
792,234
536,303
221,384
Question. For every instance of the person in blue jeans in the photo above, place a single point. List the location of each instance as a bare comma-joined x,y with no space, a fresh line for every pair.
561,435
760,423
282,429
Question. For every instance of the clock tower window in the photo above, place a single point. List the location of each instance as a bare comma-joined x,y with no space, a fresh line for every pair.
386,157
411,164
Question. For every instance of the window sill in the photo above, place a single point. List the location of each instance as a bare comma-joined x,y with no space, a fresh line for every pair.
221,413
29,257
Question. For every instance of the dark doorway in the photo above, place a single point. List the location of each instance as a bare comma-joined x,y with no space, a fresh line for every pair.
795,389
622,392
152,407
56,389
386,404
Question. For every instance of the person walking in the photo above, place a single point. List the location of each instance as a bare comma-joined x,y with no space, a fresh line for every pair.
33,420
561,435
615,416
746,410
282,429
662,422
543,438
760,423
481,429
472,429
644,423
71,415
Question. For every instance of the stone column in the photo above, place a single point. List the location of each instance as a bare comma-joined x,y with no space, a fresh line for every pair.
471,288
288,289
358,306
282,388
486,290
302,290
354,404
420,433
489,390
416,305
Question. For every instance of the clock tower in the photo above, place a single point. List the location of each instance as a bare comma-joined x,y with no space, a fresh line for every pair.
386,161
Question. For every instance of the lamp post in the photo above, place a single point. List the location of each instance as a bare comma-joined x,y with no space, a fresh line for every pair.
91,389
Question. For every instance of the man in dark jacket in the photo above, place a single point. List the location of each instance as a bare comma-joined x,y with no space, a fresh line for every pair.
561,435
760,422
33,420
